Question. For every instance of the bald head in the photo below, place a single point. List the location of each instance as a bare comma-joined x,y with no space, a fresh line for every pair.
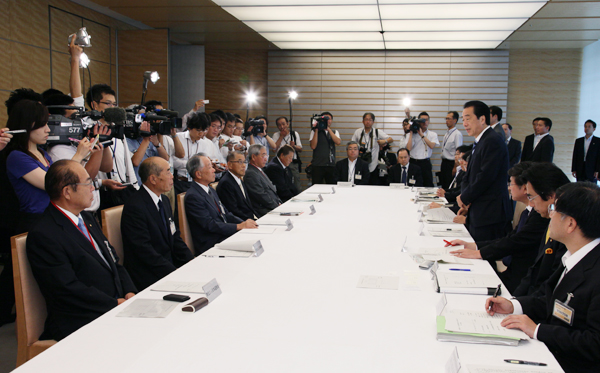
60,174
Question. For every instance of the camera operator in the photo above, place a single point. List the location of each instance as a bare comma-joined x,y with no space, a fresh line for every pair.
261,137
192,144
323,144
226,140
212,136
420,144
370,144
452,140
403,140
145,146
285,137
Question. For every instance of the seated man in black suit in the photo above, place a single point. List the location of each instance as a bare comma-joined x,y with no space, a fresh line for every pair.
281,175
404,172
152,244
352,169
261,190
454,187
539,147
232,189
210,222
565,313
520,247
514,146
74,265
586,154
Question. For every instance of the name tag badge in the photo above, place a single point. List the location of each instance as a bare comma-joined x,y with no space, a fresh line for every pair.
563,312
412,181
110,251
172,225
358,177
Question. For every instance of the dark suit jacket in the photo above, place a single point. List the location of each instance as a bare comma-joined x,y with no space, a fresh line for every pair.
514,152
282,179
452,193
585,170
233,199
544,151
206,223
522,245
575,346
361,168
412,173
500,131
547,261
151,251
484,183
76,283
261,191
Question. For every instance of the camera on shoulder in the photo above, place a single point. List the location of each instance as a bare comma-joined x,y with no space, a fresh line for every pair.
415,124
258,126
319,122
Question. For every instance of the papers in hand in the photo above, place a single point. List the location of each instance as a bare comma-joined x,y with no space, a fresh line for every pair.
148,308
378,282
180,287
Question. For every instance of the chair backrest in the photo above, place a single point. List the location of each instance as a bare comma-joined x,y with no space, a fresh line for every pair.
31,306
184,227
111,226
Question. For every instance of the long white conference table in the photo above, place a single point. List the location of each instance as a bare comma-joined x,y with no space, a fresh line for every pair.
297,307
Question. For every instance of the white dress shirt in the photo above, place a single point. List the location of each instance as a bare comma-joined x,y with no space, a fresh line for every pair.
366,142
452,140
536,140
420,150
123,170
351,169
190,148
154,197
586,146
286,141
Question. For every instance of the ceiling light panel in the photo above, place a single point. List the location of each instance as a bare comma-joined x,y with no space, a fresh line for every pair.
314,26
461,11
447,36
323,36
330,45
442,45
453,24
300,13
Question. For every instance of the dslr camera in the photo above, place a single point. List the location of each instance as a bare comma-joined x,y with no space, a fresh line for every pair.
319,122
415,124
258,126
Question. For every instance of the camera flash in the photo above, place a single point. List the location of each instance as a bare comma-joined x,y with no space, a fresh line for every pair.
406,102
293,95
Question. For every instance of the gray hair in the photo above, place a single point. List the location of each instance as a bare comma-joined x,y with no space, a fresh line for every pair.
351,143
194,164
254,150
231,155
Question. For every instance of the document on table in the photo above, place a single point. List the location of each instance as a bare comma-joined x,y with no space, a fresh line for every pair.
442,215
474,314
306,199
378,282
273,220
259,230
215,252
447,258
440,250
481,325
444,230
466,280
180,287
148,308
508,369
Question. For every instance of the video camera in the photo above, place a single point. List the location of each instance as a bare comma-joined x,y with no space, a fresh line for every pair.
258,126
161,121
63,129
320,121
415,124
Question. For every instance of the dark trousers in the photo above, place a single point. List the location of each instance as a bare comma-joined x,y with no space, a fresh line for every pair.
487,232
426,169
446,173
323,174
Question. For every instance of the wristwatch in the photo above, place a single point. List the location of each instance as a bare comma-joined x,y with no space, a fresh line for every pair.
158,146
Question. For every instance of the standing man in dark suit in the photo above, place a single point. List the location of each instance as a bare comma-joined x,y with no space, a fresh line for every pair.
405,172
539,147
483,190
586,154
495,118
232,189
261,190
75,267
209,220
152,244
279,172
565,313
514,146
352,169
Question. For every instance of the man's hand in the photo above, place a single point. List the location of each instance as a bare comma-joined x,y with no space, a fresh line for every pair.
421,134
467,245
382,142
459,219
83,149
154,140
499,305
460,203
407,111
100,129
120,300
112,184
97,148
434,205
145,126
4,138
522,322
75,50
440,192
221,142
129,295
248,224
198,104
467,253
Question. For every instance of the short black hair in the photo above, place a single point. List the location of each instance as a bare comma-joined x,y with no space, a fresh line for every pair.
327,113
59,175
286,120
221,114
479,109
547,122
423,113
199,121
454,114
50,92
285,150
464,148
592,122
466,156
517,171
96,92
399,150
58,99
545,178
214,117
371,114
230,117
151,104
509,126
21,94
581,201
495,110
149,167
258,117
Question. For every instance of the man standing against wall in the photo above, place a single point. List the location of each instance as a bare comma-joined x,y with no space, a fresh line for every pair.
452,140
421,147
323,143
586,153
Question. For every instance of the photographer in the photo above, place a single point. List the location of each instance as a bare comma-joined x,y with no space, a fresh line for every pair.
420,143
323,141
259,134
197,106
145,146
452,140
212,137
192,144
370,144
286,137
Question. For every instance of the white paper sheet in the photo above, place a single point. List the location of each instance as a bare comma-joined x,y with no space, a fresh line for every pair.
148,308
480,325
260,230
466,280
180,287
447,258
378,282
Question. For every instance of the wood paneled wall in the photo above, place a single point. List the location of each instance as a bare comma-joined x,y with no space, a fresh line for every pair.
546,83
35,59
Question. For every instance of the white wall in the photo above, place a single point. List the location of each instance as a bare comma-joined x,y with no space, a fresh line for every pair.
589,104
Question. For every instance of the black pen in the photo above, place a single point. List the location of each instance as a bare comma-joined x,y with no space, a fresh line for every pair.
525,362
495,295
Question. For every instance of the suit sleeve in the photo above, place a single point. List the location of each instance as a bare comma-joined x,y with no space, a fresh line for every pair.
336,172
575,155
277,176
547,152
228,197
488,171
136,238
198,215
257,192
394,175
366,175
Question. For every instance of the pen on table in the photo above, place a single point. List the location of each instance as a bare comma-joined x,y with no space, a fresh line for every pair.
495,295
460,269
510,361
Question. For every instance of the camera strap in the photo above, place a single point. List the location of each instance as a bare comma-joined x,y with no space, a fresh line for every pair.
371,135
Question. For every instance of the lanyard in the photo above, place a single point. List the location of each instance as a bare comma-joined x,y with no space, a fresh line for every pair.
89,236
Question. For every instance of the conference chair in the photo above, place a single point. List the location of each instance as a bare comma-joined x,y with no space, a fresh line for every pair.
184,226
30,304
111,226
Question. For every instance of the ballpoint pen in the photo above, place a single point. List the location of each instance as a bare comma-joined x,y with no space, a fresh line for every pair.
495,295
511,361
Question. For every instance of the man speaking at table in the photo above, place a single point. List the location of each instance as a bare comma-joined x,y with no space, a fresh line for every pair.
74,265
151,241
483,190
565,313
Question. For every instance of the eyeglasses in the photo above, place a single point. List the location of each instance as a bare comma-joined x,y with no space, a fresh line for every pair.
89,183
215,125
108,103
240,162
531,198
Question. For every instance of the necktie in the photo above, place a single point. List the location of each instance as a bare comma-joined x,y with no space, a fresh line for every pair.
242,188
161,211
474,145
219,206
524,215
85,232
403,178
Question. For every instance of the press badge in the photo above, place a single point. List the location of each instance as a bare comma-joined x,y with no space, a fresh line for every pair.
358,176
172,225
562,311
412,181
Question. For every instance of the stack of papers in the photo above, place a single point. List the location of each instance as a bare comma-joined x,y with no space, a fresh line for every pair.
456,230
445,335
230,248
441,215
434,249
466,283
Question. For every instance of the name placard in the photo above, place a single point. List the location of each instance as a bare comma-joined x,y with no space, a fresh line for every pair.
332,190
320,198
312,210
258,247
212,290
345,184
289,225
